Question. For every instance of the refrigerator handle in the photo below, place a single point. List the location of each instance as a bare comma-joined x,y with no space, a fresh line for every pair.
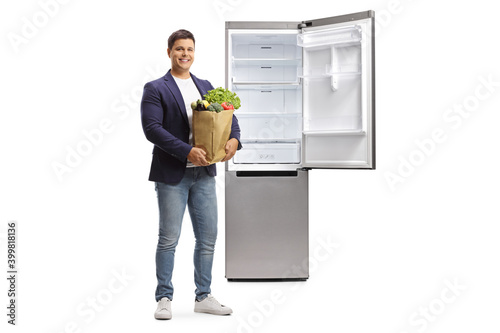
284,173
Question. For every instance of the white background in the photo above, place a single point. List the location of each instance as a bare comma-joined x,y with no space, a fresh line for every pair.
393,250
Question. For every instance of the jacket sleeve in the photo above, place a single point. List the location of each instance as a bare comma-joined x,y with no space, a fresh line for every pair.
152,125
235,131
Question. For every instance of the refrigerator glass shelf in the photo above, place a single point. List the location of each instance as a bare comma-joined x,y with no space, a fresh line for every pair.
263,61
334,133
268,114
270,140
263,85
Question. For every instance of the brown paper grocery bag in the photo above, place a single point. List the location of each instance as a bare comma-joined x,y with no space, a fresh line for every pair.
211,132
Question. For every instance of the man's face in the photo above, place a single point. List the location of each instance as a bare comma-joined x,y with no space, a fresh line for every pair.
182,55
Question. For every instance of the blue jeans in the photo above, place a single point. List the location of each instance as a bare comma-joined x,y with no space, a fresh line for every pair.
197,190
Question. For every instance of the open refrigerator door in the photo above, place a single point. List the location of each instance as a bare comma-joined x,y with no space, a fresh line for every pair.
338,92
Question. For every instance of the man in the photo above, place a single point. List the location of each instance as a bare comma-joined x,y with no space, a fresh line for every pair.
182,174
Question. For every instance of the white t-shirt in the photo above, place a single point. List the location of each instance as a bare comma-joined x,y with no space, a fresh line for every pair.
189,94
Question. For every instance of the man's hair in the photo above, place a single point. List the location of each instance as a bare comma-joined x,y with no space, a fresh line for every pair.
179,34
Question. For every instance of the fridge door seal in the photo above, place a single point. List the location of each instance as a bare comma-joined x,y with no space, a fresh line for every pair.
345,138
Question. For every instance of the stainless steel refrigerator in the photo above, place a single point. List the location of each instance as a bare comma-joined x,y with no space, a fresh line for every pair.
307,93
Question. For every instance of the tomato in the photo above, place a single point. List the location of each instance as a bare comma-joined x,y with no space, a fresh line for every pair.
227,106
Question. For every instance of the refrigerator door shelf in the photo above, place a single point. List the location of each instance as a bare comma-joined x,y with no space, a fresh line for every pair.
325,71
333,123
345,150
344,36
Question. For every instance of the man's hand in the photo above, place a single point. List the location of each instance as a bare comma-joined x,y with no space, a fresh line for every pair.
197,156
231,147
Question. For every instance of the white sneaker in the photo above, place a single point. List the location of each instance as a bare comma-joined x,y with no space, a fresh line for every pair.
164,310
212,306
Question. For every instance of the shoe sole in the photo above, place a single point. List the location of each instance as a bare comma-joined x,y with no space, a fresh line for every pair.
160,317
214,313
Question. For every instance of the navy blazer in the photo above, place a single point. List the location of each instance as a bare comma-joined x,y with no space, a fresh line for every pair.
165,124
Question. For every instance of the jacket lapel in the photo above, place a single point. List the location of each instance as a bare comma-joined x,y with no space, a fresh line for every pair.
198,85
174,89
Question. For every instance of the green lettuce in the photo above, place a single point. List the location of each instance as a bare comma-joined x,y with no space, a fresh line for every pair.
221,95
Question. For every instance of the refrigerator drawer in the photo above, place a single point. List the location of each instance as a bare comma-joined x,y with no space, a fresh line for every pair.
270,98
265,72
275,127
268,153
266,51
258,50
266,44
